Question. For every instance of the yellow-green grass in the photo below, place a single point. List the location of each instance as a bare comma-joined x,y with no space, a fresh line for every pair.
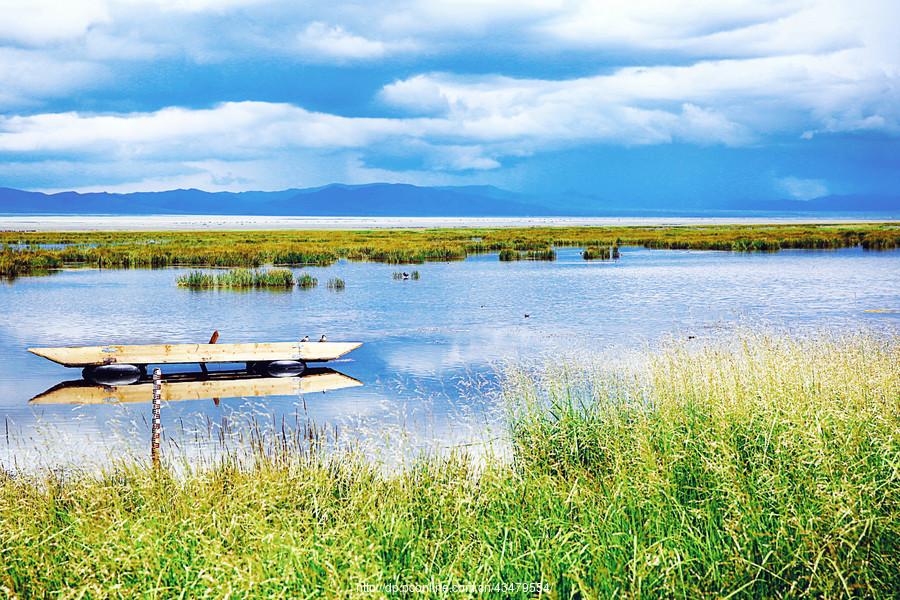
768,468
508,254
257,248
307,281
238,279
600,253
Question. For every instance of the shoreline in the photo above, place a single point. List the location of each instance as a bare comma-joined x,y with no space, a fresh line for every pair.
49,223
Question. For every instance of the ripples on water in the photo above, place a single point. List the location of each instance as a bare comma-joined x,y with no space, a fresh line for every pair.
432,346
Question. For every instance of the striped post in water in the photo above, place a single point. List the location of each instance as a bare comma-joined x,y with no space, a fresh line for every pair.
156,425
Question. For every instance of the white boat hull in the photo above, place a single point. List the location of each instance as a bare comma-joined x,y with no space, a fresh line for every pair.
87,356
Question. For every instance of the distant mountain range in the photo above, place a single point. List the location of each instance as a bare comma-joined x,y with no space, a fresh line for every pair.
403,200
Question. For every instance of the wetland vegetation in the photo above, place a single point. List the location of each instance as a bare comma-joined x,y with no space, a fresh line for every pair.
762,468
307,281
238,279
508,254
600,253
40,252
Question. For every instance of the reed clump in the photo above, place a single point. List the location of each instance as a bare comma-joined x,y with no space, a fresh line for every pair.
33,252
306,281
335,283
238,279
600,253
762,468
508,254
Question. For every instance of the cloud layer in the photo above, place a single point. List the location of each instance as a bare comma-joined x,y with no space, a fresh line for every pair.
435,98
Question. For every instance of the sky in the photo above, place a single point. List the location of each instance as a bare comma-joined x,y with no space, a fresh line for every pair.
662,100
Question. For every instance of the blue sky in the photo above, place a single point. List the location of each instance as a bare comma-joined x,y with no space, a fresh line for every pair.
633,100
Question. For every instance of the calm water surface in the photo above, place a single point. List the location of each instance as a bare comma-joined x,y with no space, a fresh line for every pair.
431,346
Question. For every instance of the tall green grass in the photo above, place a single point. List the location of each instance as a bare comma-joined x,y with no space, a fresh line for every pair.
238,279
307,281
764,468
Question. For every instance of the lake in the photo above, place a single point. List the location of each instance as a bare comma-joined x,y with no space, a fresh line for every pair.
431,349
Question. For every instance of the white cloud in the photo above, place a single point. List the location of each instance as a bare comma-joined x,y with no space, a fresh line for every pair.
472,136
229,129
658,23
28,76
474,123
321,41
34,22
731,102
739,73
100,46
708,28
802,189
440,18
192,5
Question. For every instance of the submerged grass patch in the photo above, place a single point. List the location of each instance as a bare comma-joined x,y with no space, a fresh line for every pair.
336,284
252,249
238,279
766,468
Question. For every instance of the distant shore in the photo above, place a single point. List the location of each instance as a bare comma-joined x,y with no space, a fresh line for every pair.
261,222
202,243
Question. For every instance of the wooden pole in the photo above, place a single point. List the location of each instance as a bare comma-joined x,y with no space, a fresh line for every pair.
212,340
156,425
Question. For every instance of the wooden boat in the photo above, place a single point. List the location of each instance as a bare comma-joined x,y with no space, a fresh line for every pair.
197,386
156,354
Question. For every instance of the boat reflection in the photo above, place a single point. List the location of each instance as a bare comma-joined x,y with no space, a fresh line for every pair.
197,386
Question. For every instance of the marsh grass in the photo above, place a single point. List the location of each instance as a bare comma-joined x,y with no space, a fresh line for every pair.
252,249
600,253
306,281
762,468
512,255
238,279
335,283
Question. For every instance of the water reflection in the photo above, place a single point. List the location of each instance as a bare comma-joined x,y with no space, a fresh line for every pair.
431,349
216,385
